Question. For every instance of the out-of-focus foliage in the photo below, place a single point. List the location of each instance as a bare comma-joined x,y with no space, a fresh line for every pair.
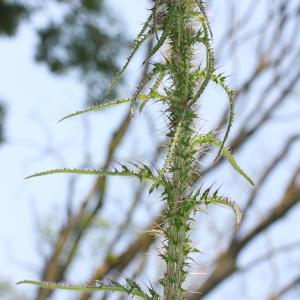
11,14
83,40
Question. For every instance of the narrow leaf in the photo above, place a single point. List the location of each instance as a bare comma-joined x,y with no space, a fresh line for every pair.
215,199
210,59
171,152
140,39
209,139
110,287
141,173
104,105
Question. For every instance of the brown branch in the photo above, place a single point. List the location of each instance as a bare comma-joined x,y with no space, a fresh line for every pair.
291,285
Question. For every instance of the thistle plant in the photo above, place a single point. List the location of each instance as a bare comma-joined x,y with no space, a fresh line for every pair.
180,27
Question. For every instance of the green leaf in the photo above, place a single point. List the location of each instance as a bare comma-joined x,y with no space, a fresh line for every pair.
158,68
75,171
142,172
219,200
104,105
171,152
158,45
220,80
133,290
139,40
204,16
210,58
209,139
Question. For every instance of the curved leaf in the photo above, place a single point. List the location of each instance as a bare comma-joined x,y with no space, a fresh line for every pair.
209,139
220,80
219,200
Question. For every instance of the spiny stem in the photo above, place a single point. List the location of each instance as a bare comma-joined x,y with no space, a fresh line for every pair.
181,116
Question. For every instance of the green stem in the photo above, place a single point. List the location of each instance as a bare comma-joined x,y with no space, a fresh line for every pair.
177,218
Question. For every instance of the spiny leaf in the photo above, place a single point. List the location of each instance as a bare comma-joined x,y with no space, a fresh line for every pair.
157,83
104,105
72,171
209,139
142,173
156,70
172,149
133,285
202,10
166,30
216,199
210,59
220,80
140,39
158,45
153,293
154,90
226,152
133,290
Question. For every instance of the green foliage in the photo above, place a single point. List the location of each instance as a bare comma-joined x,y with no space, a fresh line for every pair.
11,14
82,41
181,26
92,5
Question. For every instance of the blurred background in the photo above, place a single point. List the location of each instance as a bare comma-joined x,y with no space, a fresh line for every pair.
57,57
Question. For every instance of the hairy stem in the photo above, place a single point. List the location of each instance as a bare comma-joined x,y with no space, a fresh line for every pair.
181,118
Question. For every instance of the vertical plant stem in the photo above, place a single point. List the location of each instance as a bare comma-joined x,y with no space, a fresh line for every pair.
181,119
